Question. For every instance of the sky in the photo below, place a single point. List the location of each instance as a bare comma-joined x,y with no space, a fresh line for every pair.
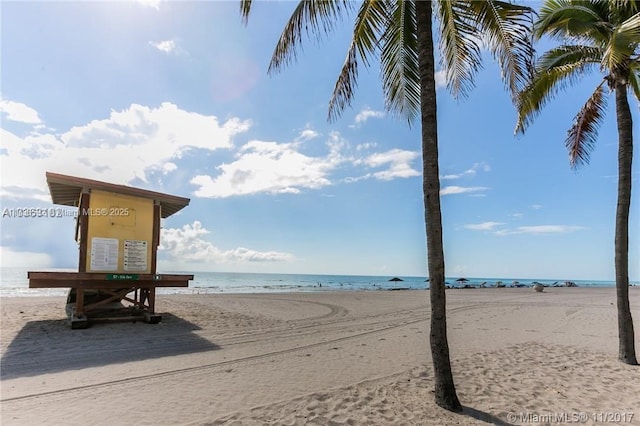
175,97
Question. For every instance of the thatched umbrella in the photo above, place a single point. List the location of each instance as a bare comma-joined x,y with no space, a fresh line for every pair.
463,281
396,279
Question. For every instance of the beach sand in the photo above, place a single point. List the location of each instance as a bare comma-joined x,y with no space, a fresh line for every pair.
325,358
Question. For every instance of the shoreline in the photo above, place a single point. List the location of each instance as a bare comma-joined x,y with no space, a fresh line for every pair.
319,357
14,282
169,291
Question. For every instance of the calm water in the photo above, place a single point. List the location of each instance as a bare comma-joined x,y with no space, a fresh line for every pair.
14,282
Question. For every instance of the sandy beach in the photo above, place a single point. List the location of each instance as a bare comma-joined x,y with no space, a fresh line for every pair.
324,358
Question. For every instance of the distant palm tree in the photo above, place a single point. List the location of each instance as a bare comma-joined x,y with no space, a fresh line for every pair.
400,33
603,34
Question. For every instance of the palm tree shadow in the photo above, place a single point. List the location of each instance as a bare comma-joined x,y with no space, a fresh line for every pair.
483,416
50,346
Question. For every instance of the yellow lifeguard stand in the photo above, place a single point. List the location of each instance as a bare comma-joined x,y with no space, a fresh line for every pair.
118,232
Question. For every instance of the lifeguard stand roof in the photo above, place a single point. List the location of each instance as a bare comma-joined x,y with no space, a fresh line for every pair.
65,190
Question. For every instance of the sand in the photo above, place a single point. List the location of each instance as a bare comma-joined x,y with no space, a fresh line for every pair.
325,358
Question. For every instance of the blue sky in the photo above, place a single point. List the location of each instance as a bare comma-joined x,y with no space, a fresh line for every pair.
175,97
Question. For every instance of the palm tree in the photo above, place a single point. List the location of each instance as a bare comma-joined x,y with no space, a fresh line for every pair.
604,34
400,34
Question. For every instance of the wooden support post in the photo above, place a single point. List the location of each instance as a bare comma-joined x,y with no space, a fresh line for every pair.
83,226
78,318
150,316
79,302
152,300
155,239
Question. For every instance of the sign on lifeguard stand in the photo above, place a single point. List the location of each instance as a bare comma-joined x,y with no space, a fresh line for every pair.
118,232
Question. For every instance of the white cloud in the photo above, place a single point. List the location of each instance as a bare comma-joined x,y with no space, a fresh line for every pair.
536,206
469,172
269,167
366,146
168,167
276,168
449,190
532,229
118,149
547,229
441,79
154,4
398,164
366,114
307,134
187,245
485,226
134,143
19,112
21,259
166,46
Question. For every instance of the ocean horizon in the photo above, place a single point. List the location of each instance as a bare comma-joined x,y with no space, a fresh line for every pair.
14,282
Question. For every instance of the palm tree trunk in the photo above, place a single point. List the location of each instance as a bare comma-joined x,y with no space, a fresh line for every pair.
626,351
445,392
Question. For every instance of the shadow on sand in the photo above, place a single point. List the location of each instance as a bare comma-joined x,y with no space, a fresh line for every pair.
483,416
50,346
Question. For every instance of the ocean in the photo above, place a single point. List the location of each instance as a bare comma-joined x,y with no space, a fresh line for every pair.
14,282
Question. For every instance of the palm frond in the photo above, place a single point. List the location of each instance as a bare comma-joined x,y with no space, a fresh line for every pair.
622,44
245,9
623,9
507,29
568,54
582,136
460,46
571,19
631,27
399,61
556,70
314,17
370,23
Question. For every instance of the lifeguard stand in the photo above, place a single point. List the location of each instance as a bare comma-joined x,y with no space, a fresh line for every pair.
118,232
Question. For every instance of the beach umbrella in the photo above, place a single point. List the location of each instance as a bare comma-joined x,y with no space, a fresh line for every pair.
396,279
462,280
